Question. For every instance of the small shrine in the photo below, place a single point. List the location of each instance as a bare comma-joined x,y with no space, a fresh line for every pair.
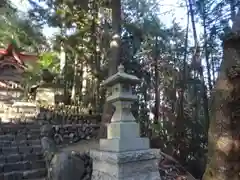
12,67
124,154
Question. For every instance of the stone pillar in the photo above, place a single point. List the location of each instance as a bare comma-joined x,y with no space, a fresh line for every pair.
124,155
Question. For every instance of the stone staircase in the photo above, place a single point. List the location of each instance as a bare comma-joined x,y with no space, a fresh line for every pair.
21,154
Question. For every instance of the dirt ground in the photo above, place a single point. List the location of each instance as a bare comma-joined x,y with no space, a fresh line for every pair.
82,146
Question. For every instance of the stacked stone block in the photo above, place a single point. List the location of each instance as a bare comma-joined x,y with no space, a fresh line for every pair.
72,133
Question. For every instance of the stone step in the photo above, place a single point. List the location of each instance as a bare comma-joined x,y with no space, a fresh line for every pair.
19,126
16,129
13,158
21,149
21,175
19,133
7,143
19,137
37,173
22,166
22,125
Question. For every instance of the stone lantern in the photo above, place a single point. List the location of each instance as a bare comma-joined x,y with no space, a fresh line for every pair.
123,131
124,155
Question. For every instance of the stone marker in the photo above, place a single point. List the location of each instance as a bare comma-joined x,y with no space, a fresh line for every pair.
48,92
61,165
124,155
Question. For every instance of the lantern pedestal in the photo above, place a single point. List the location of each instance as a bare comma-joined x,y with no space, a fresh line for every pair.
129,165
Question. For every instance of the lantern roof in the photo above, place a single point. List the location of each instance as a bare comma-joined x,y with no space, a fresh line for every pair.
121,77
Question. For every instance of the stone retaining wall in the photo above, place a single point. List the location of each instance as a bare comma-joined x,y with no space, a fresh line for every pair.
69,123
67,115
72,133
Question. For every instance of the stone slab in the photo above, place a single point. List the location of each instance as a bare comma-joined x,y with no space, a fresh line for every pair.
134,165
124,144
122,130
46,95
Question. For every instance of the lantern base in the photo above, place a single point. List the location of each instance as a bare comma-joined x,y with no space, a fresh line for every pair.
131,165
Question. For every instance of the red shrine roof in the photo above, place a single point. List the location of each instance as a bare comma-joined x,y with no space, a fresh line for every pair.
23,55
16,57
12,64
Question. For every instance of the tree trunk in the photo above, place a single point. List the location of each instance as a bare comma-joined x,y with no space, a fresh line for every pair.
74,87
114,59
207,51
213,70
156,85
232,4
224,131
178,127
197,61
96,56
